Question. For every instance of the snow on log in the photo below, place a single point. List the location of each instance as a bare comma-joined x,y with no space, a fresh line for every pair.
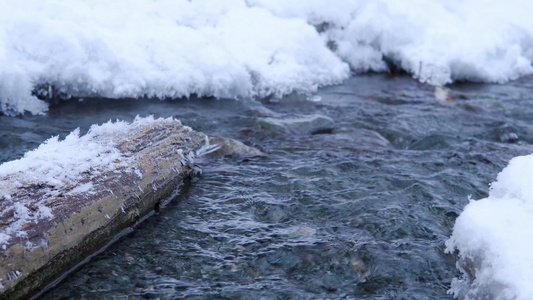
68,198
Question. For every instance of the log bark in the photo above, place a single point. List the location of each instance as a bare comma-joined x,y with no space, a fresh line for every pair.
82,222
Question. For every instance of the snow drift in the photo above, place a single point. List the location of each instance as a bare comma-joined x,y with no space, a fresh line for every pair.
494,238
238,48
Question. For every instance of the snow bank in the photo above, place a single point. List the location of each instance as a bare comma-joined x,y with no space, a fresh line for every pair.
244,48
494,238
58,163
437,41
160,49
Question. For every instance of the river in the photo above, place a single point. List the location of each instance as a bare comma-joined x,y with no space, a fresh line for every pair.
356,204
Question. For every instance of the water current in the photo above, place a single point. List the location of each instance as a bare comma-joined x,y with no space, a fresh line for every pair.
354,204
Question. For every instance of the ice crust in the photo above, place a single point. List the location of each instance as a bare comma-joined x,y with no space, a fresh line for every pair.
238,48
494,238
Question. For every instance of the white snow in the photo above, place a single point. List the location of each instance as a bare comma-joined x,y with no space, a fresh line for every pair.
495,235
4,238
150,48
437,41
57,163
82,188
245,48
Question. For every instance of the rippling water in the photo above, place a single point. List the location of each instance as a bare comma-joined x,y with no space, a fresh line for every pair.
360,210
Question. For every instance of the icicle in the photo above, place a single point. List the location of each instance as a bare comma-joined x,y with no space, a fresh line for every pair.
207,148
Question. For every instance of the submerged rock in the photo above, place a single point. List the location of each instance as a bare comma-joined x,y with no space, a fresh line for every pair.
298,124
52,224
360,138
232,147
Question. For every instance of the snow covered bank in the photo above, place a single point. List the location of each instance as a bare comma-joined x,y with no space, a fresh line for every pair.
494,237
437,41
157,49
241,48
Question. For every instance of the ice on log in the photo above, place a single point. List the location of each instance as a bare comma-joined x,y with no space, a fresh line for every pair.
67,199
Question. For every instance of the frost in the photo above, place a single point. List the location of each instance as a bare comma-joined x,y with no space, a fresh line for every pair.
22,234
138,173
207,148
4,238
44,212
58,164
82,188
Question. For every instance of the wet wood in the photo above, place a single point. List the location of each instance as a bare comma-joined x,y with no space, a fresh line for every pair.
83,223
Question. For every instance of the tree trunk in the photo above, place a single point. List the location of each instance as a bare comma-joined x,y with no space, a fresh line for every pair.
158,158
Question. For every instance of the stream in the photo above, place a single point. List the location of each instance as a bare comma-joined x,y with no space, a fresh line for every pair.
354,198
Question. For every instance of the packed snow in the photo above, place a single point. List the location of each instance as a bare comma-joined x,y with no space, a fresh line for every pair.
58,163
249,48
494,238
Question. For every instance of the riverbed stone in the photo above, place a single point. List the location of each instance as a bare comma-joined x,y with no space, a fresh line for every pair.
298,124
231,147
358,139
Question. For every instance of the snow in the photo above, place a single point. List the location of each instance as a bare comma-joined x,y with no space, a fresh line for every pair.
159,49
249,48
4,238
59,163
494,237
436,41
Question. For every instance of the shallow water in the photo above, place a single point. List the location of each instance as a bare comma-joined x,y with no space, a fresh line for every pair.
359,210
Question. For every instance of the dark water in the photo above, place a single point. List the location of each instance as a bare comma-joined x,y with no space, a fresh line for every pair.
361,210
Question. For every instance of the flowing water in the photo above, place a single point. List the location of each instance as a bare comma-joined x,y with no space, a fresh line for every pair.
357,207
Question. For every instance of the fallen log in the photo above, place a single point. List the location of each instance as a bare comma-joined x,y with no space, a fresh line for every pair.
67,199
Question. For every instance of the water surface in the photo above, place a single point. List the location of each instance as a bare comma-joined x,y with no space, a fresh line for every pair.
360,210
